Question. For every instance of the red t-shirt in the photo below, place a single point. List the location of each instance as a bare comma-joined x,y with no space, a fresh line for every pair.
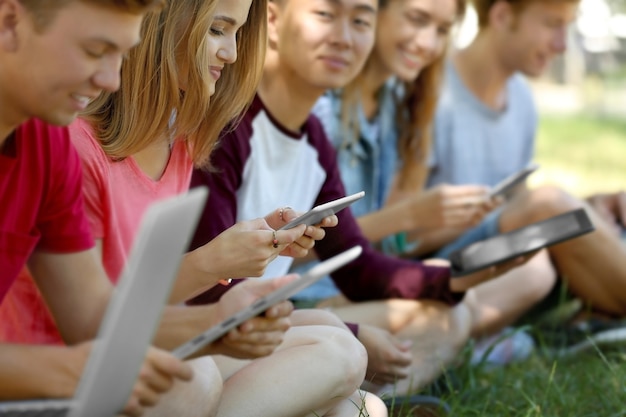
42,203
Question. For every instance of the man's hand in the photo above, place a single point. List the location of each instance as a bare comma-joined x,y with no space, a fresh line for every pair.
612,208
157,375
261,335
389,359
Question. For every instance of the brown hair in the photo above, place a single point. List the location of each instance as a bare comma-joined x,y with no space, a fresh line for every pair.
483,7
415,109
150,103
44,11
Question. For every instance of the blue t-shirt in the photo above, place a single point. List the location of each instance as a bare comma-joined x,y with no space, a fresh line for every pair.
474,144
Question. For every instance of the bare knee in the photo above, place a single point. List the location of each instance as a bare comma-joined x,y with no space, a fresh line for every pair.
197,398
348,357
539,278
548,201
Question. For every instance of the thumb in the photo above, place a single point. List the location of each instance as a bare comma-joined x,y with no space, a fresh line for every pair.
262,287
291,235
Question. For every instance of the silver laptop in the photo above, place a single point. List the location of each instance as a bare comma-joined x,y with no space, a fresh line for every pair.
283,293
132,315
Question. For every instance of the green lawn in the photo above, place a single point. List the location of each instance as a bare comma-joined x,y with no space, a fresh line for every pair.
583,155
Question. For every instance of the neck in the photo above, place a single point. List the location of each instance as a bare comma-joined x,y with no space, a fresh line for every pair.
374,77
482,72
154,158
285,95
9,120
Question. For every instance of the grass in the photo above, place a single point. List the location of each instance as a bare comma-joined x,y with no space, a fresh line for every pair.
582,154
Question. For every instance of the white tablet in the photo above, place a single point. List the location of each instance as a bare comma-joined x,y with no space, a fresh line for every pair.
314,274
522,241
318,213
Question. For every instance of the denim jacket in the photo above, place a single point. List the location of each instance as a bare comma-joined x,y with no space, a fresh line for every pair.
371,163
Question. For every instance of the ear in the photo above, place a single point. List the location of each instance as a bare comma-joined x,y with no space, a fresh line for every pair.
501,15
273,17
11,12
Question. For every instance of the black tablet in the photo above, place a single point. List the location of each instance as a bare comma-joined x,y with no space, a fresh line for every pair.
527,239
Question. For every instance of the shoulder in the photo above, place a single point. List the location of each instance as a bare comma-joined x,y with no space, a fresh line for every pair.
89,150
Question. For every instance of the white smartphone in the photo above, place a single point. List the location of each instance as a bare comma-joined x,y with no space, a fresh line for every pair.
314,274
318,213
510,182
522,241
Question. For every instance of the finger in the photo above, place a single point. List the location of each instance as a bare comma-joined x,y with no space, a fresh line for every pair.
330,221
133,408
287,237
262,324
280,310
145,396
157,381
315,232
167,364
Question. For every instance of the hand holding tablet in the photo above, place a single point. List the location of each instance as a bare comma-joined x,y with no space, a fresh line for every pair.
520,242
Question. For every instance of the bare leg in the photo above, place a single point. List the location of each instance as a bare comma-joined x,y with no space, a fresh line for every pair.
499,302
594,265
360,404
438,332
197,398
314,371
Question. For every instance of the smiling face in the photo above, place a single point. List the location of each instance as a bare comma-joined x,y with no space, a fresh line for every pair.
530,39
53,73
230,16
323,42
411,35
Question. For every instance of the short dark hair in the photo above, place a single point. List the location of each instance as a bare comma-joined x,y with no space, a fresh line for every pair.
44,11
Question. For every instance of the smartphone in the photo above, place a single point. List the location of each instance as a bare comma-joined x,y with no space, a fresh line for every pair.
522,241
510,182
318,213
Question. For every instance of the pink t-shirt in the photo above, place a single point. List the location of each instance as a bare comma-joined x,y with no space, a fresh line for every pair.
116,195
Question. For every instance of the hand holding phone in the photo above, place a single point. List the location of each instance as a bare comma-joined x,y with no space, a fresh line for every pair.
509,183
318,213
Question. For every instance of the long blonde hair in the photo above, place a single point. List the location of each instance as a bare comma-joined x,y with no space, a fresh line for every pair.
150,102
416,103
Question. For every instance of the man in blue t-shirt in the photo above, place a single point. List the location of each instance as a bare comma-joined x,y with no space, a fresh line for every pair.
485,130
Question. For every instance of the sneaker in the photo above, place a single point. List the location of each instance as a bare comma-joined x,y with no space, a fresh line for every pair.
582,336
508,346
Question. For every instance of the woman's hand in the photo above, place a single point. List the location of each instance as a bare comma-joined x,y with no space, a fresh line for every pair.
450,206
301,246
244,250
261,335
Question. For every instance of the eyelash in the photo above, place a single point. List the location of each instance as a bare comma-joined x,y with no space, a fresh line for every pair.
217,32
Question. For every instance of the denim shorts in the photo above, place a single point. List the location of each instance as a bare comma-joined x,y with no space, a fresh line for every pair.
489,227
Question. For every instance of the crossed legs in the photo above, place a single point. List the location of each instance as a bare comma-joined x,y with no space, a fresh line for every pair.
316,371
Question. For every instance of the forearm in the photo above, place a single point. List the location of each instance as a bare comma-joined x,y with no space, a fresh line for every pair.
433,240
37,372
389,220
180,324
193,278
